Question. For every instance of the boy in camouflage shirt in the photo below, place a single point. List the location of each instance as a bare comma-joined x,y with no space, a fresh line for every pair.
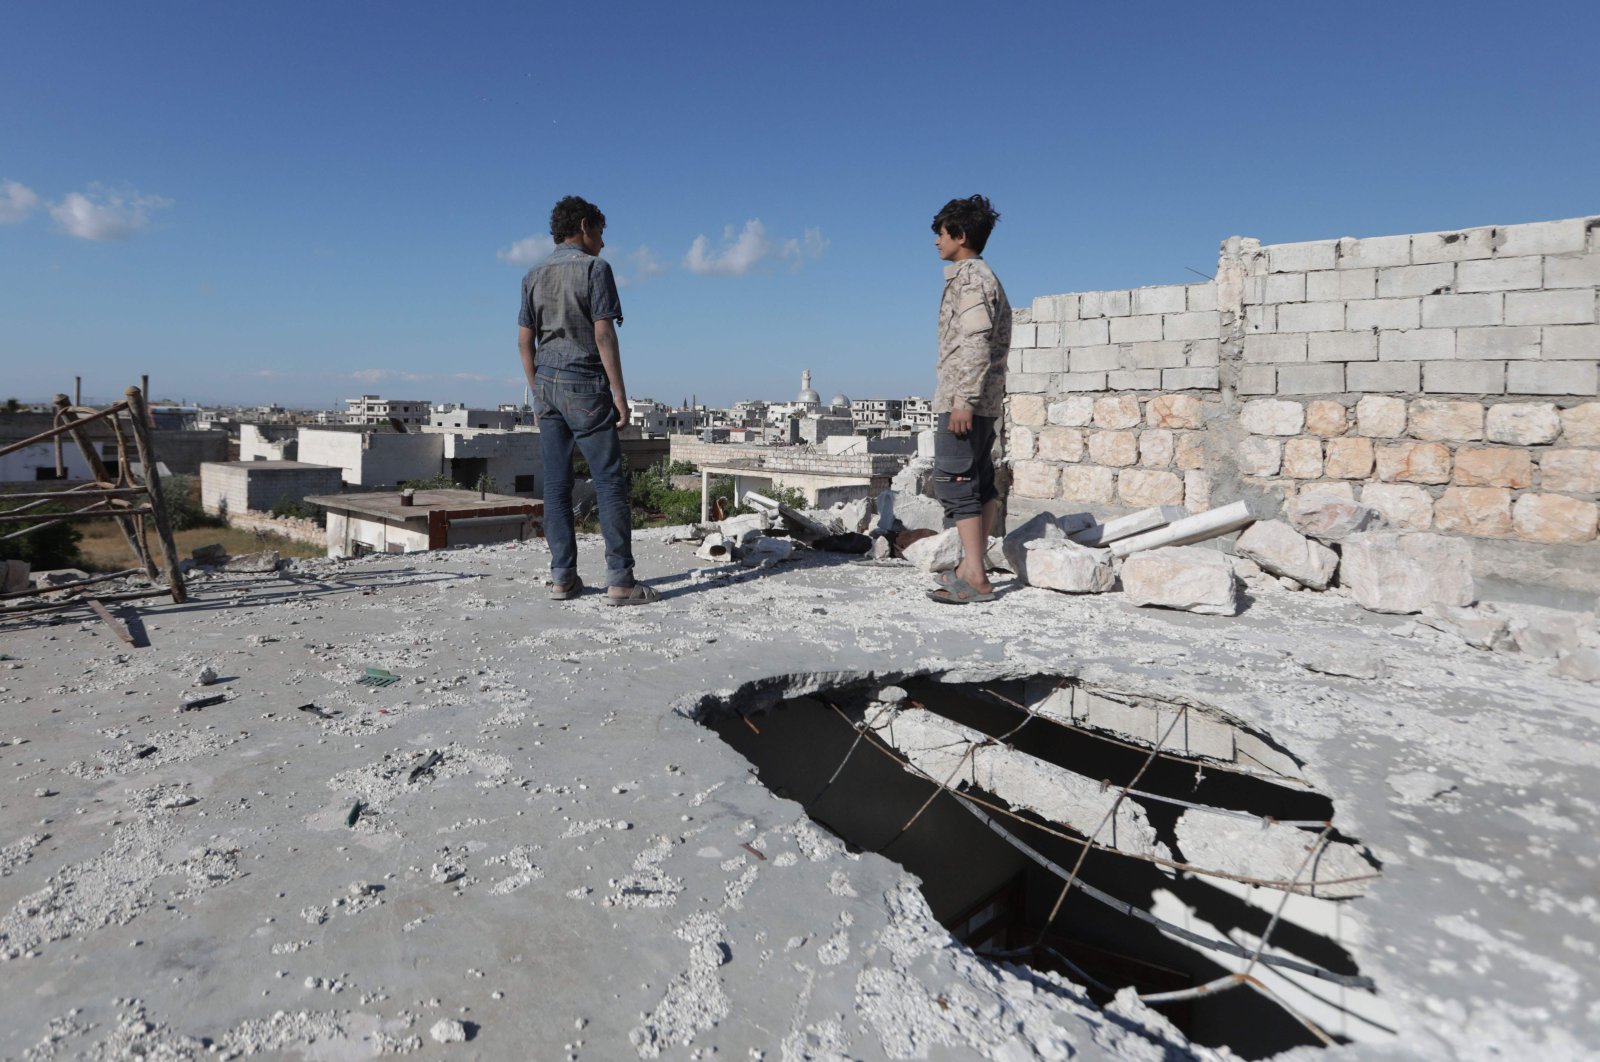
974,338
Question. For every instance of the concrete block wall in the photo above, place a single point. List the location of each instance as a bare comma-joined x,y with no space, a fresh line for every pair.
256,486
1449,379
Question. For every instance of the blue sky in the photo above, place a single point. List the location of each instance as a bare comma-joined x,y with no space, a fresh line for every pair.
296,203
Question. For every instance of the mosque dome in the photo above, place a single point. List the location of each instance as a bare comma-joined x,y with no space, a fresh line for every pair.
807,396
840,401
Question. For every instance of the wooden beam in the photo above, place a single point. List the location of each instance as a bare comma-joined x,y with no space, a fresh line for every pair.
111,621
152,479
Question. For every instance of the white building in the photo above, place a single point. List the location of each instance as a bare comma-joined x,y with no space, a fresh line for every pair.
375,409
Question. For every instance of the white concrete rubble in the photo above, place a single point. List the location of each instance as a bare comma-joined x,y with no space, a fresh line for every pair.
1128,526
1281,550
936,553
1329,518
1191,529
1187,578
1067,567
1402,571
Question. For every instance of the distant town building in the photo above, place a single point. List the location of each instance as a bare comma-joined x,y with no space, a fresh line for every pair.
375,409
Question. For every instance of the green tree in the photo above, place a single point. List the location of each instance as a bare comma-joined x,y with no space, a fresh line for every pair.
46,548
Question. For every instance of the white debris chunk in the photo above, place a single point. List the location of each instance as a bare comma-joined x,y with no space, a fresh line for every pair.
1282,550
1401,571
1189,579
448,1031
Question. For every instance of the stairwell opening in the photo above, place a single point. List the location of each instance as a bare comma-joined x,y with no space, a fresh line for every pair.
1219,861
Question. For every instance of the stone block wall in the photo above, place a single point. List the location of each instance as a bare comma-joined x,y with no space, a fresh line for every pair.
1448,379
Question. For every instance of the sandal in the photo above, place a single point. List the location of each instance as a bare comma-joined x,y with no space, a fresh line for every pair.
573,589
957,591
638,594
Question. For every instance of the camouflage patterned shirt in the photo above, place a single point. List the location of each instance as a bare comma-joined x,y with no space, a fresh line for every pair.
974,339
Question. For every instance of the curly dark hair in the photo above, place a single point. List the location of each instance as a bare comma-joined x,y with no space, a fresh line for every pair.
973,217
572,212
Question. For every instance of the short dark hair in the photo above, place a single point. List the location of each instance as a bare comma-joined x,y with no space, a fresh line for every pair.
972,217
572,212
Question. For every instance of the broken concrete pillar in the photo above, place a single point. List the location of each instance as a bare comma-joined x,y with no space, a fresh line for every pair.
1406,571
735,528
1130,525
1196,528
1187,579
936,553
1282,550
1066,566
1331,519
716,547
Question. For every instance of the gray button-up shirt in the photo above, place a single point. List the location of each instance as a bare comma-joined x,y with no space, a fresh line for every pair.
562,297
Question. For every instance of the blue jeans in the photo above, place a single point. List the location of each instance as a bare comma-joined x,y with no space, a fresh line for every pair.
575,407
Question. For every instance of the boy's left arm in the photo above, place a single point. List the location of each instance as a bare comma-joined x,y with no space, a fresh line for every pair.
975,322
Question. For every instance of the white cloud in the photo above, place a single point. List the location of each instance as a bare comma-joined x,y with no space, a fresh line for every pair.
101,214
639,266
809,246
741,254
526,251
17,201
372,376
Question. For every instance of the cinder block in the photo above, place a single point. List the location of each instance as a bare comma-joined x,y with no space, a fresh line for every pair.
1203,352
1164,355
1197,325
1449,311
1082,381
1055,308
1500,274
1169,298
1095,359
1134,379
1383,377
1342,346
1195,379
1500,343
1417,344
1572,342
1085,333
1045,334
1330,284
1464,378
1014,361
1254,290
1202,298
1260,318
1044,360
1258,380
1566,236
1400,282
1454,246
1027,383
1564,306
1579,271
1104,304
1277,347
1324,379
1311,317
1044,308
1024,335
1302,257
1552,378
1383,313
1374,251
1135,329
1284,287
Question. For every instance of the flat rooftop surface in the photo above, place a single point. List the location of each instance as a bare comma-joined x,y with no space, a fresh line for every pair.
589,872
269,466
386,504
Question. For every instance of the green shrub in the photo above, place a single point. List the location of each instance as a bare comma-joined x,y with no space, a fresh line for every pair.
181,496
46,548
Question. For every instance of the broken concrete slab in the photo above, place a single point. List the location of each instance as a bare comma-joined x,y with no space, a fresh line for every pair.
936,553
1406,571
916,478
735,528
1042,527
855,515
1066,566
1273,852
757,550
1328,518
1480,626
1544,633
1281,550
915,512
210,554
1128,526
1186,578
1197,528
253,563
1580,664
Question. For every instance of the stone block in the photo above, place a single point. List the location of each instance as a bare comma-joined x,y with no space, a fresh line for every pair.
1044,360
1155,447
1383,313
1401,572
1027,410
1162,355
1034,479
1060,444
1580,425
1046,307
1563,306
1081,381
1553,518
1085,333
1196,325
1042,527
1311,317
1168,298
1452,311
1088,483
1202,297
1452,246
1283,287
1196,491
1493,467
1260,319
1484,512
1259,456
1417,344
1329,517
1278,347
1302,458
1188,578
1067,567
1327,418
1302,257
1498,343
1258,380
1349,458
1203,352
1342,346
936,553
1189,450
1398,282
1103,304
1046,334
1551,378
1580,271
1522,423
1402,505
1281,550
1571,342
1269,416
1027,383
1414,463
1342,284
1019,443
1566,236
1374,251
1140,329
1383,376
1568,471
1024,335
917,512
1464,377
1141,487
1436,420
1134,379
1095,359
1191,379
1174,411
1114,448
1323,379
1074,412
1501,274
1116,411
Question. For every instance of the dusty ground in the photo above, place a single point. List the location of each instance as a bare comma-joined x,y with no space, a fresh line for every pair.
571,879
